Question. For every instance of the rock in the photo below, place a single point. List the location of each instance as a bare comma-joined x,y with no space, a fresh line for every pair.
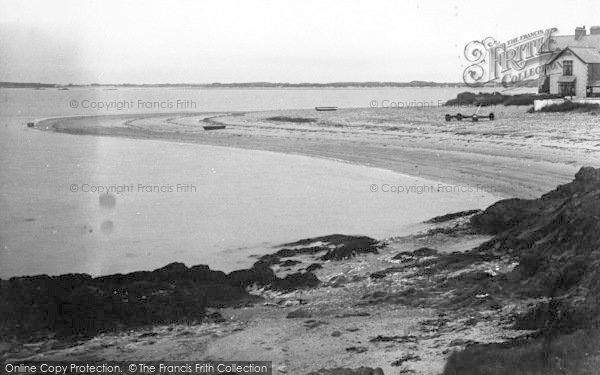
352,313
418,253
397,339
76,304
378,275
425,252
356,349
270,259
291,302
405,358
335,246
296,281
452,216
338,281
289,263
462,342
471,322
260,274
352,247
299,313
313,267
310,324
336,334
504,215
555,239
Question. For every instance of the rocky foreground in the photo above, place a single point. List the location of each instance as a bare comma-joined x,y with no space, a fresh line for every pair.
514,289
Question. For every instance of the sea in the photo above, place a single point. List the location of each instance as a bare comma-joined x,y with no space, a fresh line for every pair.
188,203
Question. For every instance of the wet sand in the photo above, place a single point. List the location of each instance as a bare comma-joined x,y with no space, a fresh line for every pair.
517,155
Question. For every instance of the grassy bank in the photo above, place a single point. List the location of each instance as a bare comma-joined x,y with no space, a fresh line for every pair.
569,106
575,353
496,98
555,241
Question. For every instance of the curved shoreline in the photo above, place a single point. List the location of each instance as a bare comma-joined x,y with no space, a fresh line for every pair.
513,168
367,304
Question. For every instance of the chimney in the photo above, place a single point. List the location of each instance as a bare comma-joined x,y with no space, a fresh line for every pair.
579,32
595,30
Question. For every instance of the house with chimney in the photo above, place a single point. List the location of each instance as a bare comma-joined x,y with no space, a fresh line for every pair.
572,65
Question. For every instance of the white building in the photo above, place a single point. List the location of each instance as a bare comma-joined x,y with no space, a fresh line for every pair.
573,66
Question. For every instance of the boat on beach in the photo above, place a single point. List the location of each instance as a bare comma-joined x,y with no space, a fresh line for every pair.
30,124
213,127
326,108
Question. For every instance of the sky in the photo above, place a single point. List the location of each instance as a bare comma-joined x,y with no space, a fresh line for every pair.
204,41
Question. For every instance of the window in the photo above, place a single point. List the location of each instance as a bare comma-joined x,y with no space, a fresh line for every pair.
566,88
544,88
568,68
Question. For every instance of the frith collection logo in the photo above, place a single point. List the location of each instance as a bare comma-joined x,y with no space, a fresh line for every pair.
509,63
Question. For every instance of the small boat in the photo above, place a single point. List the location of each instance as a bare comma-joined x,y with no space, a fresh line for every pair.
30,124
213,127
326,108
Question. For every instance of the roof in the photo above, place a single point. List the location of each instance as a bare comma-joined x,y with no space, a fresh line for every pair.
566,79
561,42
585,54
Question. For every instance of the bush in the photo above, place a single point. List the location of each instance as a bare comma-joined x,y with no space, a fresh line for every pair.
495,98
569,106
526,99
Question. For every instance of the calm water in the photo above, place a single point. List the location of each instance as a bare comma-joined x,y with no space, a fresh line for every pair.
207,205
52,102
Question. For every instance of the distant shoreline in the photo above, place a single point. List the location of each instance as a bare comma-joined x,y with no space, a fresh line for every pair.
287,85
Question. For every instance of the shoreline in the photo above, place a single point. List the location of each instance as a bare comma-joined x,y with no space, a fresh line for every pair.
340,303
469,160
356,179
405,307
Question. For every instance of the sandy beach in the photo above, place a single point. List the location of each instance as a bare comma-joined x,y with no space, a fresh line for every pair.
299,188
398,322
517,155
372,310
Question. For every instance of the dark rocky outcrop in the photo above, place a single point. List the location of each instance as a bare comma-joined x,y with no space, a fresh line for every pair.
289,263
506,214
299,280
332,247
418,253
77,304
313,267
260,274
556,241
335,246
451,216
81,305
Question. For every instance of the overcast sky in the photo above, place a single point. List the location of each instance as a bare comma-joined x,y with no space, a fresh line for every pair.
278,41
